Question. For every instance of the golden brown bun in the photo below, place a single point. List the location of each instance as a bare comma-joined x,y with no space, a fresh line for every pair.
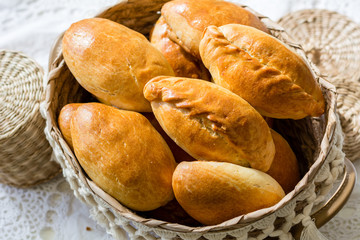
124,155
64,121
187,20
285,168
262,70
183,63
213,192
112,62
179,154
210,122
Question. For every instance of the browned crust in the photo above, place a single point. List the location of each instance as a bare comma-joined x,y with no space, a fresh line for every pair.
112,62
262,70
213,192
187,19
183,63
179,154
124,155
284,168
210,122
64,121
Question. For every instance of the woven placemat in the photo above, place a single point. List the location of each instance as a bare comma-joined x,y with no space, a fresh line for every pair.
332,42
348,107
25,154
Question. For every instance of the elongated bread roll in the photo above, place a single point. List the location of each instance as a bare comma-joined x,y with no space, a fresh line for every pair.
187,19
284,168
124,155
213,192
210,122
182,62
112,62
262,70
64,121
179,154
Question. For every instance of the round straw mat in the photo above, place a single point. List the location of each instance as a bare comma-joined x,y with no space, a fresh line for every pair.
332,42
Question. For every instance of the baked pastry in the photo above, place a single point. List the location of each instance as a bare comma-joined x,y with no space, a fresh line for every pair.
112,62
182,62
124,155
284,168
179,154
64,121
213,192
262,70
187,20
211,123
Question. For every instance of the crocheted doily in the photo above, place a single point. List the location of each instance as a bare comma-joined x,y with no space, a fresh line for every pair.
46,211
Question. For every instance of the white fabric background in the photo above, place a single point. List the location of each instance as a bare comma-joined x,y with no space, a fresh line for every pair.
50,211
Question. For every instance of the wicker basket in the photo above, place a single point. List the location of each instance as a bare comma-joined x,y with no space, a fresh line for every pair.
316,141
332,42
25,155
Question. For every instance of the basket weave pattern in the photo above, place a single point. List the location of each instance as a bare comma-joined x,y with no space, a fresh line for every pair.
332,42
348,105
25,155
319,141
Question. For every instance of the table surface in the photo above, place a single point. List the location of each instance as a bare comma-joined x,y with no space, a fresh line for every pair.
50,210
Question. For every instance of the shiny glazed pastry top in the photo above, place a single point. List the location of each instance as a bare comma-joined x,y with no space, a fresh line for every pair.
64,121
112,62
124,155
187,20
262,70
285,167
182,62
213,192
210,122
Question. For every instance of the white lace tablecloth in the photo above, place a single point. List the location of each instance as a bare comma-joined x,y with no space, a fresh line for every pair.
50,211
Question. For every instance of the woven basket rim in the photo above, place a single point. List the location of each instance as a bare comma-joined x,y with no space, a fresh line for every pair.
36,108
57,63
